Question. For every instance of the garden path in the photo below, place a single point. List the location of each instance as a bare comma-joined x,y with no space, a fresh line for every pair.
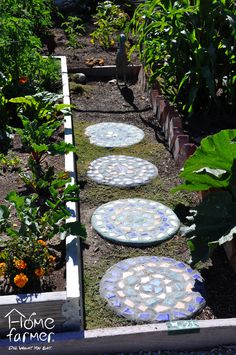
145,288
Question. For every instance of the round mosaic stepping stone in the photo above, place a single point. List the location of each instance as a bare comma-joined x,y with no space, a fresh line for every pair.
111,134
122,171
153,289
136,222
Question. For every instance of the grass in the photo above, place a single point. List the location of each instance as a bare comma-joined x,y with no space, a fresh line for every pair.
96,195
93,195
87,152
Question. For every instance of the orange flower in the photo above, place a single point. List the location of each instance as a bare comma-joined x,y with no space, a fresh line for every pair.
42,242
39,272
2,268
51,258
23,80
20,280
20,264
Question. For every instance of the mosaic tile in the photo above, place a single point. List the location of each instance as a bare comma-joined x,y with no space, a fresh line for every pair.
121,171
148,300
124,218
111,134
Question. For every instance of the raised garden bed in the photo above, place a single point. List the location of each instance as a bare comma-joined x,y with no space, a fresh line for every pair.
63,307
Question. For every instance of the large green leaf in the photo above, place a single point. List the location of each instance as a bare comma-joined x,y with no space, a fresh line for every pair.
211,164
27,100
213,222
39,148
61,148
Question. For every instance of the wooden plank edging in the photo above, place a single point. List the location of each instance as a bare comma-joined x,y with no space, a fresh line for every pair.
150,337
106,72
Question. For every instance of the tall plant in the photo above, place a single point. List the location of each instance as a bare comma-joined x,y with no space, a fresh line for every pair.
190,47
18,47
39,12
21,24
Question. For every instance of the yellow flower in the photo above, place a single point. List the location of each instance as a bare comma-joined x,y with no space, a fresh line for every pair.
92,41
2,268
42,242
20,280
20,264
51,258
39,272
112,42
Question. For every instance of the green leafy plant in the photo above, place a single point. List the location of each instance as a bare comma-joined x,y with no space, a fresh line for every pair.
20,45
40,122
210,166
190,47
212,222
213,168
39,12
35,220
74,28
42,106
46,75
110,19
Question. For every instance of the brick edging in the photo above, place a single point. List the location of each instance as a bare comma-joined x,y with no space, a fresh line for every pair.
170,122
178,142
